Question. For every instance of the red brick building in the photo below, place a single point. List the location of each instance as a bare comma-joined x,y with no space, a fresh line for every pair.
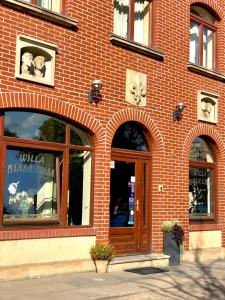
73,172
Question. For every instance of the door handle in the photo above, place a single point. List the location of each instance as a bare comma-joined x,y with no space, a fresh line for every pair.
137,205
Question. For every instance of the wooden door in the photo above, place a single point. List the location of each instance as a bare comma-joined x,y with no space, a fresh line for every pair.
130,205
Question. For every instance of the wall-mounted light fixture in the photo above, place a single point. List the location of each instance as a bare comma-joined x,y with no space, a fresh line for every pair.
177,114
94,95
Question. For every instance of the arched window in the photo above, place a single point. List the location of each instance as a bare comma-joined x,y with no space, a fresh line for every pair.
202,37
202,176
130,136
46,174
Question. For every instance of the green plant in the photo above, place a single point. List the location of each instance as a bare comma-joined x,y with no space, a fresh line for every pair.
176,230
102,251
178,234
167,226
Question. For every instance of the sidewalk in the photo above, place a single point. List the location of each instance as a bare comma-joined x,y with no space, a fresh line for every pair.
186,282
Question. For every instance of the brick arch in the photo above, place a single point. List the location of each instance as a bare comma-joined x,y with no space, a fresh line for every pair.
211,4
53,105
203,129
139,116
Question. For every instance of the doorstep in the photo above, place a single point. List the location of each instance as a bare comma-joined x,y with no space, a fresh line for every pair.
121,263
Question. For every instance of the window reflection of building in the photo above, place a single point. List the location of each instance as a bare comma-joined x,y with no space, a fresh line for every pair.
35,170
202,179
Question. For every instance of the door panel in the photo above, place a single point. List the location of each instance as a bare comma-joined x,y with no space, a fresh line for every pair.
122,194
129,205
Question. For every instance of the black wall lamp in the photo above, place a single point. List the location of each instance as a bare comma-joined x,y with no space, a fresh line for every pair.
177,114
94,95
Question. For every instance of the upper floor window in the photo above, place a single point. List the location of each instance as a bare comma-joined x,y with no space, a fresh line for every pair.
132,20
202,180
202,37
46,170
54,5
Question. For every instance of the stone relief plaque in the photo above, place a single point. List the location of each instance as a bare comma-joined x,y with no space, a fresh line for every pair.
136,85
35,60
207,107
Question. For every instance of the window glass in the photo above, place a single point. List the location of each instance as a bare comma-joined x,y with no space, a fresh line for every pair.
203,13
54,5
121,17
201,151
194,43
202,37
141,21
201,192
32,182
29,125
33,173
208,48
122,192
201,179
78,137
130,136
79,188
132,20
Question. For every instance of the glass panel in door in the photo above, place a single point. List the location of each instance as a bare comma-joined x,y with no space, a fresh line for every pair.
122,212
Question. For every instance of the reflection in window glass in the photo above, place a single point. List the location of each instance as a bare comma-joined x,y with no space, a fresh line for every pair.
201,192
54,5
141,21
201,151
29,125
31,184
130,136
79,188
121,17
122,190
208,48
132,20
194,43
78,137
202,13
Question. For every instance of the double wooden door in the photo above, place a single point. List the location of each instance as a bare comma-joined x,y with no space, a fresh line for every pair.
130,190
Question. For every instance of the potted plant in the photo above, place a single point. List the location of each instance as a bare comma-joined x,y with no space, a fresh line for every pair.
173,241
101,254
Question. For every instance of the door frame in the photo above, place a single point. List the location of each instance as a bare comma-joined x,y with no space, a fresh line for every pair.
139,230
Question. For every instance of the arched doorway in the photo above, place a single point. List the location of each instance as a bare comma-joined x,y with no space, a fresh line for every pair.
130,190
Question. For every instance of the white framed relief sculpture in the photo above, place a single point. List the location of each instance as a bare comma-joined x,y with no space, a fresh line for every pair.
136,88
207,104
35,60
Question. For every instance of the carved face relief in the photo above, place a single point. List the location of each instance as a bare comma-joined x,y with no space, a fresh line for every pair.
207,107
136,88
35,60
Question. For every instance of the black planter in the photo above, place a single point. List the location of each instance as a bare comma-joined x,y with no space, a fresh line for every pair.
171,248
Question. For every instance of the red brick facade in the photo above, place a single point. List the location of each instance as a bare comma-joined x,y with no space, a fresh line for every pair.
86,54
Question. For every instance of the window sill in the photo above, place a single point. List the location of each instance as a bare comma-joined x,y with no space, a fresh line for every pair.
204,227
205,72
17,233
41,13
136,47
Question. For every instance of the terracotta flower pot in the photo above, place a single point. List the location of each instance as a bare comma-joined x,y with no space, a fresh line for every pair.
101,266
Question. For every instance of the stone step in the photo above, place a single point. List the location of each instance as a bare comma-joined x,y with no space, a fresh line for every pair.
121,263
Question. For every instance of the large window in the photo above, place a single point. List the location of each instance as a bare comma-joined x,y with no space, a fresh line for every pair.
202,177
132,20
54,5
202,37
46,170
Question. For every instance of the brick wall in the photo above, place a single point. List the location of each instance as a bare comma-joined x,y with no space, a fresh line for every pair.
87,54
